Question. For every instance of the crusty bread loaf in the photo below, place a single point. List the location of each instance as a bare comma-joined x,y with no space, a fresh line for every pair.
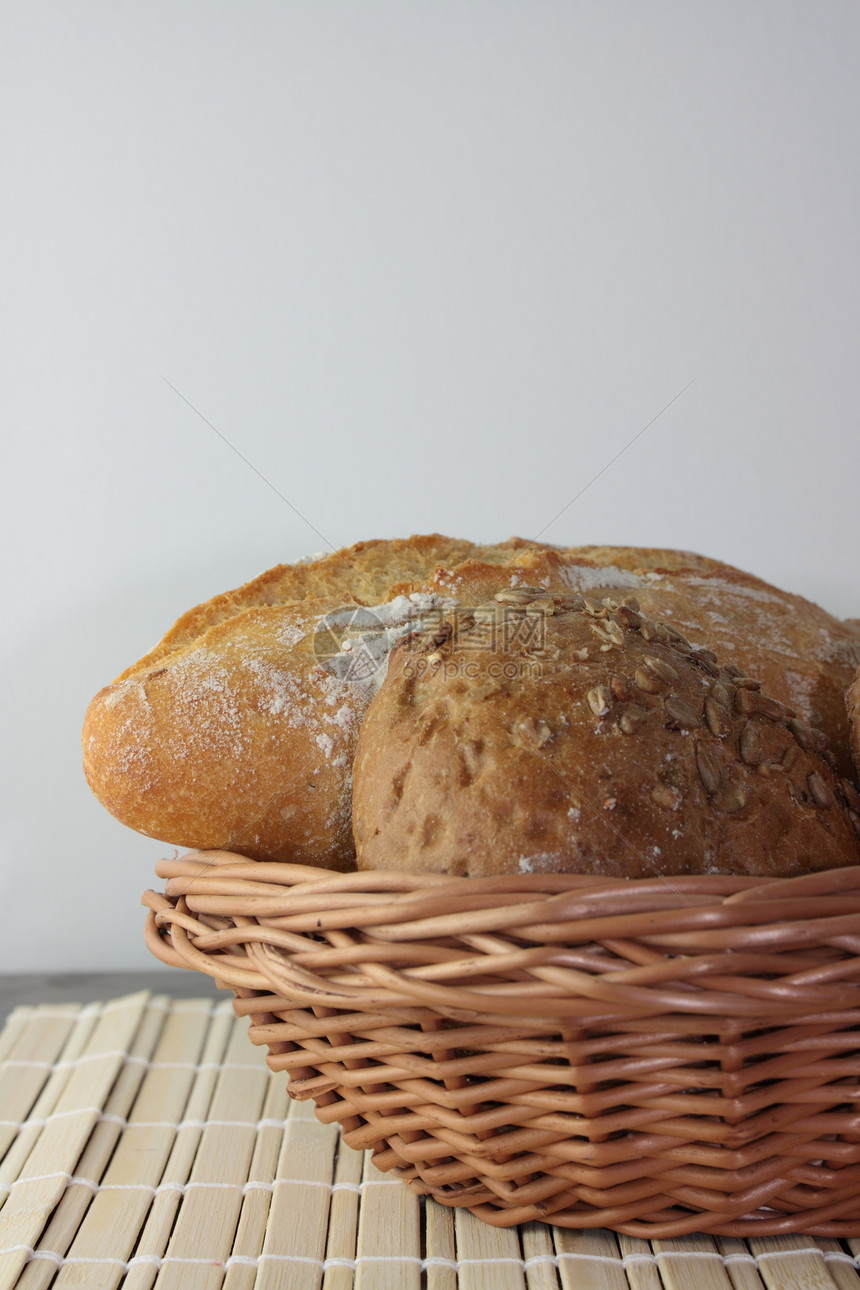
237,740
363,572
557,734
239,729
372,572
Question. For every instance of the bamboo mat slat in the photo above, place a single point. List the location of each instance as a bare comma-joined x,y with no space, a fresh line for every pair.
144,1144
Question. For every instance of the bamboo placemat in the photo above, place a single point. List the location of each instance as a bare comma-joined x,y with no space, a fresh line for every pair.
143,1142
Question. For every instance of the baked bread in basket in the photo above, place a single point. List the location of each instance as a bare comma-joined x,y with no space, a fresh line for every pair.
598,960
240,728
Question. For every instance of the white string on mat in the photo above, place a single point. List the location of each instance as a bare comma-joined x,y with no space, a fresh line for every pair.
71,1180
431,1261
838,1256
39,1122
191,1123
78,1180
829,1256
254,1261
125,1123
134,1059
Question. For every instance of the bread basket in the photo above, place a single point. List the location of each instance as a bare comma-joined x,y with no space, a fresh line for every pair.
657,1056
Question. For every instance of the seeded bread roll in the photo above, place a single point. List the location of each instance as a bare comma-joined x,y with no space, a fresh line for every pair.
546,734
802,655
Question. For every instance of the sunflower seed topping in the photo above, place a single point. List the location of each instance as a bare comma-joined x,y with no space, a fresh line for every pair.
516,596
852,797
666,796
647,681
721,694
679,712
630,616
807,737
745,702
732,797
747,683
620,687
771,708
599,700
708,767
660,668
599,630
749,745
614,631
717,718
536,733
821,794
706,660
632,718
674,635
707,655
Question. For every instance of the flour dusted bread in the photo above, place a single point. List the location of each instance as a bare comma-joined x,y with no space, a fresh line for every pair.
237,740
543,734
239,729
364,573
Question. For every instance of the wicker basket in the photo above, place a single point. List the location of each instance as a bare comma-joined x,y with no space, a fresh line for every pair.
656,1056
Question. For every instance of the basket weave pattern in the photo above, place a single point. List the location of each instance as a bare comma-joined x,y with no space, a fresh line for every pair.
656,1056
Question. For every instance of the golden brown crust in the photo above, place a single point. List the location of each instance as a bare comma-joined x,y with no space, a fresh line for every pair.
641,559
165,764
239,740
588,740
364,572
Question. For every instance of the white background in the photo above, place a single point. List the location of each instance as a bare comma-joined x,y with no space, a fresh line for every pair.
427,266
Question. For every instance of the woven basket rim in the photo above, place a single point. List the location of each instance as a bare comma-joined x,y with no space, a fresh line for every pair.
723,913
